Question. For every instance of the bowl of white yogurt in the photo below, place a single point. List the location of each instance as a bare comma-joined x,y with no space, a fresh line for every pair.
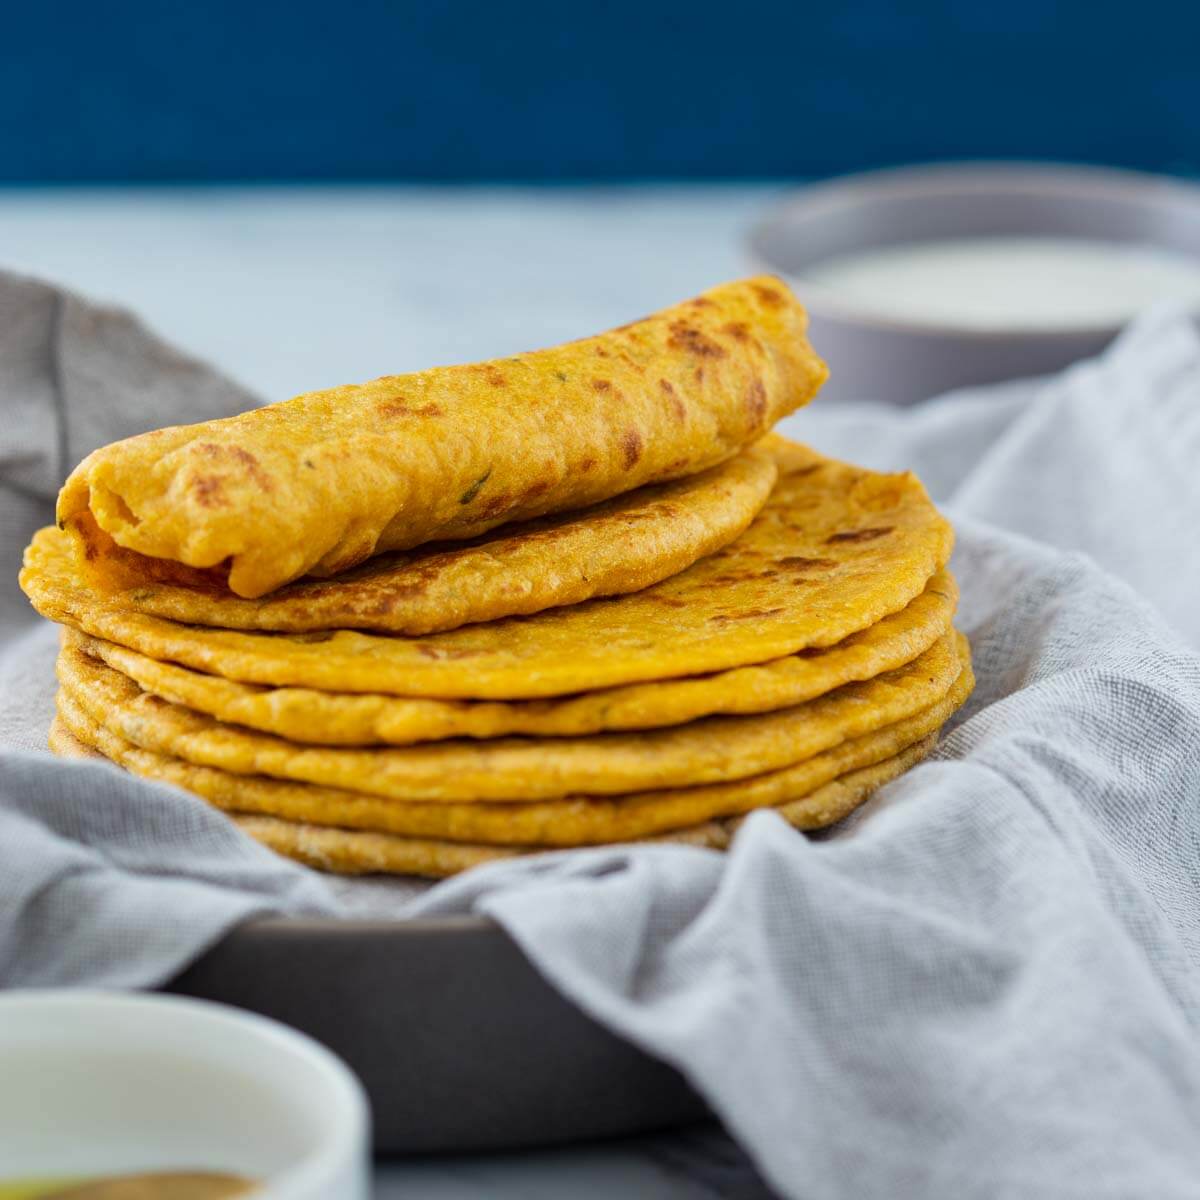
923,279
103,1093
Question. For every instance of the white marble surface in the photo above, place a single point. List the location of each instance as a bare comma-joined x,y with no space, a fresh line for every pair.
295,289
291,290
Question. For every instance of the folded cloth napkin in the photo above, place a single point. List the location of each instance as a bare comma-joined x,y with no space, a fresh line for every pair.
987,983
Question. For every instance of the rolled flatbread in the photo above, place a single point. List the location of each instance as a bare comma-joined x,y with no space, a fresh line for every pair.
317,484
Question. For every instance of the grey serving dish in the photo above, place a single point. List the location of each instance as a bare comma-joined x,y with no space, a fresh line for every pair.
459,1042
898,361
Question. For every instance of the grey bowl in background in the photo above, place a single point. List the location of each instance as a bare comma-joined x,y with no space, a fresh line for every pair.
877,358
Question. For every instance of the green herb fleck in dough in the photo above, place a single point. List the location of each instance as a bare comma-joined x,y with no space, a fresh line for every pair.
473,490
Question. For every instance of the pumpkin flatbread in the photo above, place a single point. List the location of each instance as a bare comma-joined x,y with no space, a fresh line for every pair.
504,769
332,718
354,852
360,852
836,549
319,483
573,821
622,545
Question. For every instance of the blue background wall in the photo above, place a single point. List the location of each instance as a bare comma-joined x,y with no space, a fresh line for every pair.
560,91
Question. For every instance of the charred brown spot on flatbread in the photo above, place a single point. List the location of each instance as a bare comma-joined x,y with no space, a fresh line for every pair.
691,340
671,470
749,614
678,408
209,492
859,535
797,562
398,407
444,653
534,490
497,504
210,489
770,296
756,400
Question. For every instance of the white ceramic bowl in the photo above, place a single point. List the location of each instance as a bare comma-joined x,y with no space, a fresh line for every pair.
95,1083
877,358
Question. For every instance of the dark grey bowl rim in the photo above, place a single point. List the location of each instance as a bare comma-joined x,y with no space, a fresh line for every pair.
448,924
958,177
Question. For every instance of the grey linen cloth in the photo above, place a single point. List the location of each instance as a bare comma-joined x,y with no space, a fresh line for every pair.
986,983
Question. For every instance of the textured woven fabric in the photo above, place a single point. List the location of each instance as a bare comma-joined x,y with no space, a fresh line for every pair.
986,984
87,894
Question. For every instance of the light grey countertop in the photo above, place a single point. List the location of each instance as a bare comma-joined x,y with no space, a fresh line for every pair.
295,289
700,1162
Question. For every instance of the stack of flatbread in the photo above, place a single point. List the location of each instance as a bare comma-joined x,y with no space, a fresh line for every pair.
574,597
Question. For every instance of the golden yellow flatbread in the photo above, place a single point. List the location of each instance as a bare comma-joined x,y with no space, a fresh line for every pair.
714,749
569,822
361,852
315,717
622,545
319,483
355,852
835,550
